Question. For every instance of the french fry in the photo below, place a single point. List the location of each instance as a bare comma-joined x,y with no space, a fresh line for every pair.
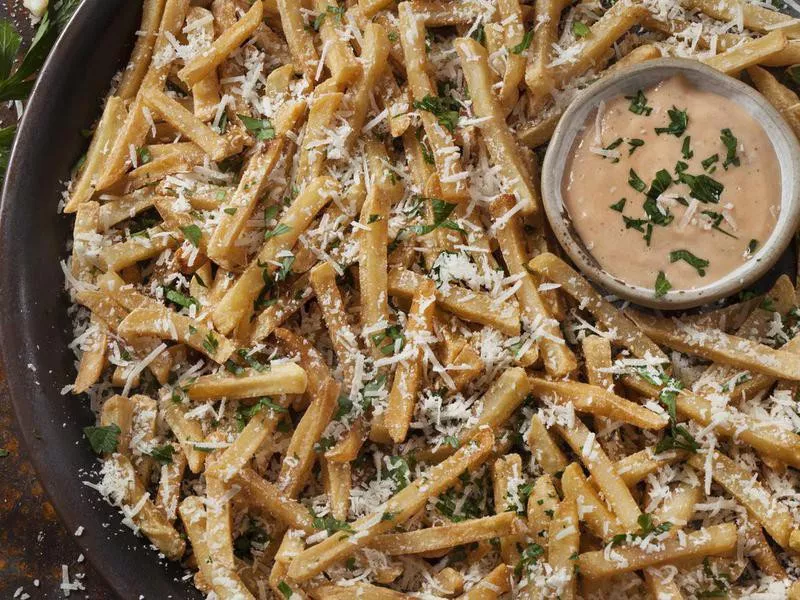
749,54
591,509
374,55
627,334
134,130
544,448
720,347
234,458
283,378
339,56
294,474
406,382
781,97
558,358
753,16
776,520
545,33
445,153
602,36
267,498
496,134
562,545
166,324
197,69
599,402
152,522
300,41
188,124
136,68
219,539
400,507
709,541
583,443
114,115
470,306
238,300
491,587
449,536
506,472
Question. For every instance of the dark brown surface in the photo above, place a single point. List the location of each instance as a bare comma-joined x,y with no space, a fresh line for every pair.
33,542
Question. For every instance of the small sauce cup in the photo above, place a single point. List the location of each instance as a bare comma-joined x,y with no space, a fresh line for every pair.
707,79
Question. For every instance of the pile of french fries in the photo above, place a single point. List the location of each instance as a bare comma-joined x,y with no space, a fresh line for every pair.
332,348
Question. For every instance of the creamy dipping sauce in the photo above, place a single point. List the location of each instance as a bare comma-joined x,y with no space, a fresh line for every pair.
672,187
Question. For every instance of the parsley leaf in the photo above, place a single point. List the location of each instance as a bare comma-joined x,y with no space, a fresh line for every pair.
686,149
163,454
528,558
730,142
662,285
103,440
331,525
261,128
580,29
619,206
524,44
700,264
678,122
638,104
703,187
279,229
445,109
210,343
193,234
636,182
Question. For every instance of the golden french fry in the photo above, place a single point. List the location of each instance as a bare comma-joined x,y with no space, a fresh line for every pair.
709,541
449,536
204,63
749,54
496,134
238,300
626,333
395,511
472,306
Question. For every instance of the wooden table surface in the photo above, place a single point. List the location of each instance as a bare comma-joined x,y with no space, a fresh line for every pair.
33,543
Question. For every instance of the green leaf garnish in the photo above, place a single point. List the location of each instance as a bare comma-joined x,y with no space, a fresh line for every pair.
103,440
678,121
700,264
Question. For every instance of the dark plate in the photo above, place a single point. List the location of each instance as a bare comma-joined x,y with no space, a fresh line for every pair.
34,327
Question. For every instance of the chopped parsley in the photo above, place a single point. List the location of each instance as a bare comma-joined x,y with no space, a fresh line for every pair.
210,343
636,182
192,233
708,163
163,454
580,29
103,440
662,285
524,44
638,104
686,148
393,338
279,229
261,128
700,264
678,122
730,142
619,206
703,188
445,109
331,525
